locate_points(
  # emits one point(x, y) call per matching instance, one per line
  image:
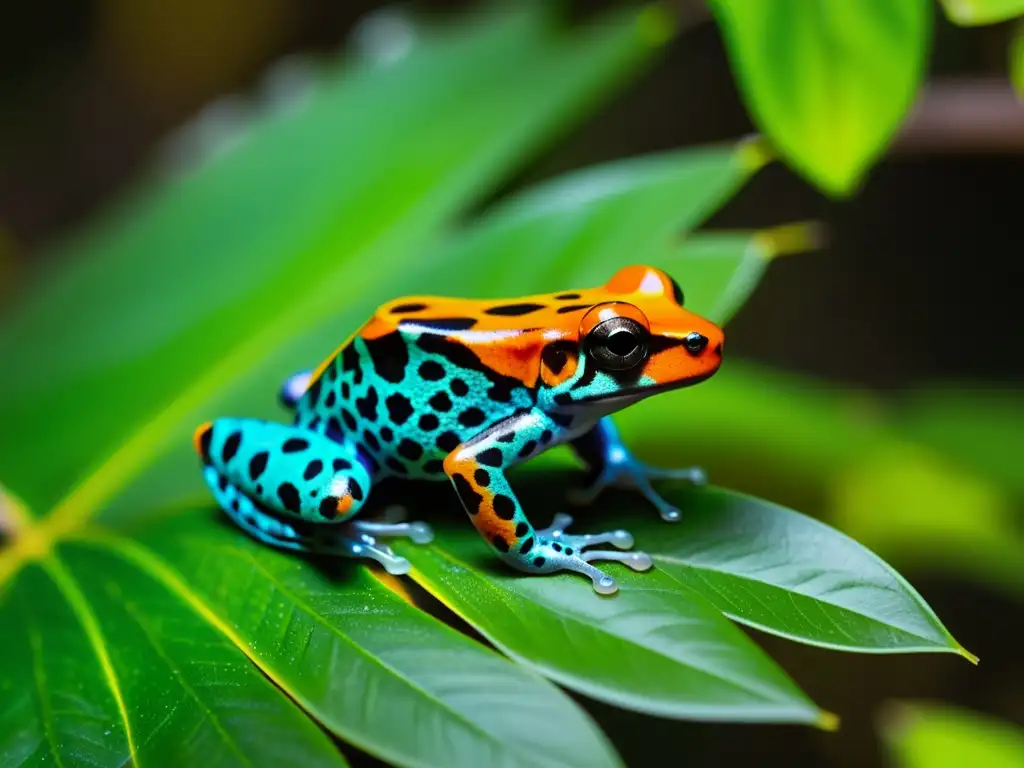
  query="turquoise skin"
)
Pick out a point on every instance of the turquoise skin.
point(420, 393)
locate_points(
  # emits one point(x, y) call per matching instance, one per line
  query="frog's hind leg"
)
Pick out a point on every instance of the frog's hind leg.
point(344, 539)
point(292, 487)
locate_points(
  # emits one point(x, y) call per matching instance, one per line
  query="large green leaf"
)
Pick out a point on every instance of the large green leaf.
point(933, 735)
point(969, 13)
point(655, 647)
point(828, 82)
point(1017, 59)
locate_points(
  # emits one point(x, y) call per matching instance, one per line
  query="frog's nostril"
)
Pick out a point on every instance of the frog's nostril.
point(695, 343)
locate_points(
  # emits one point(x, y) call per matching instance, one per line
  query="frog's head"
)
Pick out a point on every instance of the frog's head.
point(633, 340)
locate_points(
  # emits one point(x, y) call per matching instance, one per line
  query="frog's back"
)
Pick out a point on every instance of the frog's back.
point(425, 374)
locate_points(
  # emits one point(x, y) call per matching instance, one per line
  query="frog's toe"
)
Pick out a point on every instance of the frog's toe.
point(417, 532)
point(638, 561)
point(694, 475)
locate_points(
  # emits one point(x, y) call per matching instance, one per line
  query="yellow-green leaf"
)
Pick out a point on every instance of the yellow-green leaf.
point(933, 735)
point(969, 13)
point(828, 82)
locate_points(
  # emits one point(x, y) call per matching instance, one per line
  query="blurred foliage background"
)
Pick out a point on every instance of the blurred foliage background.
point(889, 360)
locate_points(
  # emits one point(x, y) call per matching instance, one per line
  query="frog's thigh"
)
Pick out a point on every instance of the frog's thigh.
point(284, 469)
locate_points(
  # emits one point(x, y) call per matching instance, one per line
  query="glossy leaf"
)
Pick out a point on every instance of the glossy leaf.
point(654, 647)
point(358, 657)
point(933, 735)
point(970, 13)
point(828, 83)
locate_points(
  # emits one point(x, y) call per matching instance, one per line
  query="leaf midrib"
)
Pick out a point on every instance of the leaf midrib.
point(503, 592)
point(754, 580)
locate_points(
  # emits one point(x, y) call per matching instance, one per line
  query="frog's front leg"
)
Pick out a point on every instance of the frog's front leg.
point(477, 469)
point(295, 489)
point(611, 464)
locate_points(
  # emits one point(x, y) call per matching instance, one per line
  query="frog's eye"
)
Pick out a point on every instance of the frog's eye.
point(677, 292)
point(618, 343)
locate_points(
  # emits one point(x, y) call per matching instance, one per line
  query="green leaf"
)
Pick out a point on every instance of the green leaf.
point(829, 83)
point(359, 658)
point(782, 572)
point(932, 735)
point(969, 13)
point(656, 646)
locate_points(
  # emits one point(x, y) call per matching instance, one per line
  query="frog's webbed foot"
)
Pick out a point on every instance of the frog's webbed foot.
point(633, 474)
point(417, 532)
point(558, 550)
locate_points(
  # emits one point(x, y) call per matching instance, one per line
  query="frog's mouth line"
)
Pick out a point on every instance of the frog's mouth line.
point(638, 393)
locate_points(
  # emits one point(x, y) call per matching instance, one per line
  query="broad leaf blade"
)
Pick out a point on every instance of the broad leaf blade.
point(49, 670)
point(829, 83)
point(970, 13)
point(1017, 60)
point(360, 659)
point(788, 574)
point(655, 647)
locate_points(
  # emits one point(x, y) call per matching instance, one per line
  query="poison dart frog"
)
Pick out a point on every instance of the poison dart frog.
point(433, 389)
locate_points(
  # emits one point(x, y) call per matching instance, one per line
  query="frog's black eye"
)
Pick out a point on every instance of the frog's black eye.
point(677, 292)
point(618, 343)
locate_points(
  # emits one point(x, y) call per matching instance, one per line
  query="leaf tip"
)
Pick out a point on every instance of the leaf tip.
point(967, 654)
point(827, 721)
point(786, 239)
point(754, 153)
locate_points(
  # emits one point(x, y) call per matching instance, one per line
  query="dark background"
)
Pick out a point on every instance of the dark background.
point(920, 279)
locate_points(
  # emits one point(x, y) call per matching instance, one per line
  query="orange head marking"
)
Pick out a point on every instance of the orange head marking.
point(637, 340)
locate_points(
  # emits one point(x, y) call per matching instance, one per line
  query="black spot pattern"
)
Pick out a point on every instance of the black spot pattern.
point(506, 437)
point(331, 399)
point(563, 420)
point(482, 477)
point(404, 309)
point(355, 490)
point(448, 441)
point(491, 457)
point(222, 482)
point(349, 360)
point(204, 444)
point(500, 544)
point(367, 406)
point(334, 426)
point(371, 440)
point(522, 529)
point(230, 448)
point(390, 356)
point(386, 434)
point(556, 355)
point(329, 507)
point(567, 296)
point(467, 493)
point(431, 371)
point(441, 402)
point(463, 357)
point(399, 408)
point(513, 310)
point(472, 417)
point(429, 422)
point(459, 388)
point(571, 308)
point(538, 562)
point(289, 496)
point(346, 390)
point(295, 445)
point(339, 464)
point(350, 421)
point(504, 507)
point(314, 468)
point(545, 437)
point(410, 449)
point(257, 464)
point(526, 546)
point(528, 447)
point(313, 393)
